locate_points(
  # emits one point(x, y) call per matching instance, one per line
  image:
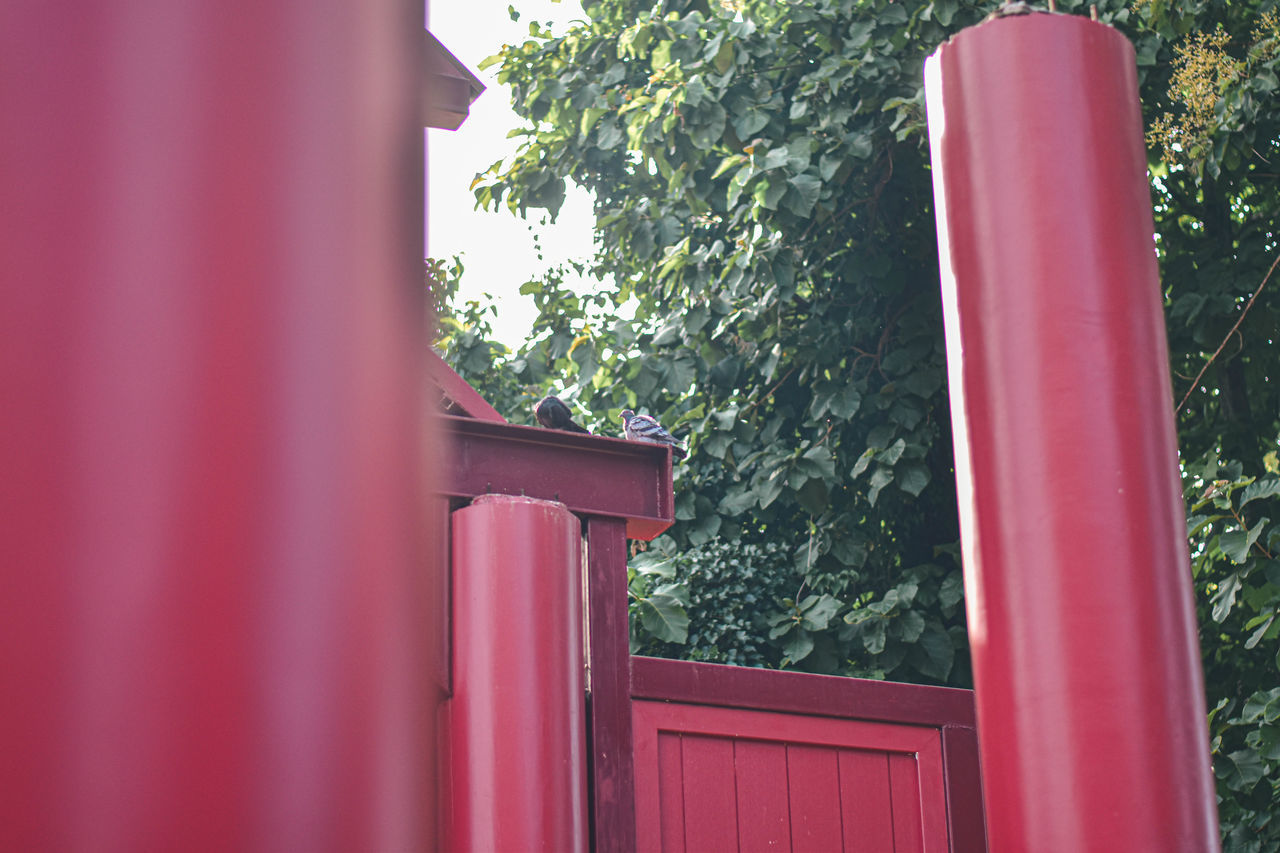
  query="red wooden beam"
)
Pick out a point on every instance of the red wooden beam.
point(613, 786)
point(799, 693)
point(591, 475)
point(1090, 698)
point(456, 396)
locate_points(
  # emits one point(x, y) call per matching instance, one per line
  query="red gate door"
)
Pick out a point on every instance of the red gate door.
point(711, 778)
point(730, 759)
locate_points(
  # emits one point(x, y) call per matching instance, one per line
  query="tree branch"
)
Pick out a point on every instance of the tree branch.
point(1226, 339)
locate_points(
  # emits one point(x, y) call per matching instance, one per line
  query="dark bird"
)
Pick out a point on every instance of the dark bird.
point(645, 428)
point(552, 413)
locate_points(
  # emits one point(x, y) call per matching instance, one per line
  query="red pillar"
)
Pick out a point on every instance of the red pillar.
point(517, 716)
point(210, 368)
point(1089, 692)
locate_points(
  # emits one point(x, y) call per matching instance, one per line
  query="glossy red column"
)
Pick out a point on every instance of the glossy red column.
point(211, 334)
point(1091, 716)
point(517, 716)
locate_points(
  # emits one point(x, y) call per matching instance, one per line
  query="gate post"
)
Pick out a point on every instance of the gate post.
point(1091, 715)
point(517, 719)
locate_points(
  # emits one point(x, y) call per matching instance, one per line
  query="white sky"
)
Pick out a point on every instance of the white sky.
point(497, 248)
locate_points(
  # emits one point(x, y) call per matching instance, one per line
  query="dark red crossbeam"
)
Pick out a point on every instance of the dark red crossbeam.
point(592, 475)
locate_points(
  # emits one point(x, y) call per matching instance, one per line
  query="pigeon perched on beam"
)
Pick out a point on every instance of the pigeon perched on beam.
point(646, 429)
point(552, 413)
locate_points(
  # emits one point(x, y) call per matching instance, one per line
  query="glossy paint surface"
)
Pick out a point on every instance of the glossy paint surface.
point(517, 718)
point(1091, 716)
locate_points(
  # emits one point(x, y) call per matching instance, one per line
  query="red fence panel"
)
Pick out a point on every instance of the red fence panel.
point(748, 759)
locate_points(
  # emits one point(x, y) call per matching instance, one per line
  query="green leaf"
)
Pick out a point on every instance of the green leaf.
point(807, 188)
point(819, 613)
point(738, 182)
point(1260, 489)
point(589, 118)
point(1243, 771)
point(939, 652)
point(910, 626)
point(1257, 635)
point(798, 645)
point(882, 477)
point(746, 124)
point(952, 590)
point(1225, 598)
point(873, 636)
point(863, 461)
point(663, 615)
point(737, 502)
point(891, 454)
point(845, 403)
point(912, 477)
point(1236, 544)
point(728, 163)
point(724, 58)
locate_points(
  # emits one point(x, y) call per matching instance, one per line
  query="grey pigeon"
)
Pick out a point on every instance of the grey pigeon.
point(554, 414)
point(646, 429)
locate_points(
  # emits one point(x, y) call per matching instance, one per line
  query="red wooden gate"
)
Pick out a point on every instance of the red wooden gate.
point(728, 758)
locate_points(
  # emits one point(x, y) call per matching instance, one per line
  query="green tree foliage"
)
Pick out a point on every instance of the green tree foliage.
point(769, 288)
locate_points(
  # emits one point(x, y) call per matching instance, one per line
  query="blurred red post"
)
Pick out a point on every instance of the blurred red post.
point(211, 337)
point(517, 719)
point(1091, 715)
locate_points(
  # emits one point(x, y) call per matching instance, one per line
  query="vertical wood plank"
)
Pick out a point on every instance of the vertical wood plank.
point(904, 787)
point(709, 796)
point(813, 784)
point(648, 808)
point(671, 792)
point(965, 821)
point(864, 801)
point(613, 785)
point(764, 821)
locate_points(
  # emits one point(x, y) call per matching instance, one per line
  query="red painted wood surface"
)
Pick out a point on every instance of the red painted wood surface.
point(613, 797)
point(211, 629)
point(801, 693)
point(765, 817)
point(456, 396)
point(945, 710)
point(592, 475)
point(1091, 706)
point(703, 770)
point(867, 818)
point(517, 717)
point(814, 795)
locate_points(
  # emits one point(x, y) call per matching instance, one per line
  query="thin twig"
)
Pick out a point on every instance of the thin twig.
point(1245, 528)
point(769, 393)
point(1223, 345)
